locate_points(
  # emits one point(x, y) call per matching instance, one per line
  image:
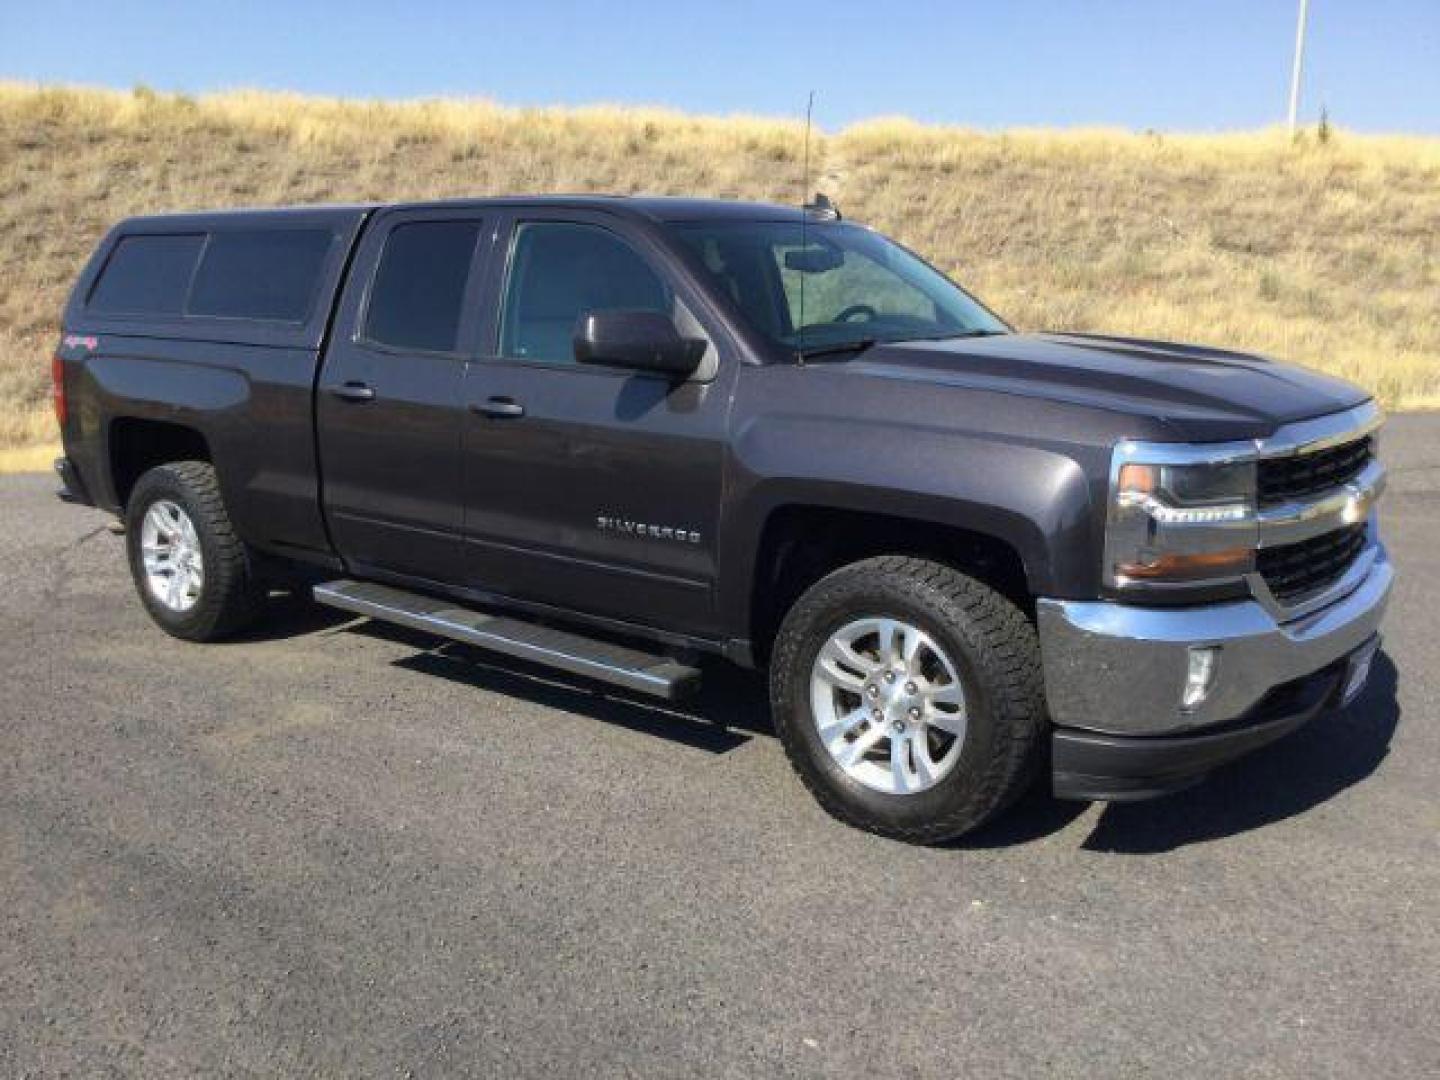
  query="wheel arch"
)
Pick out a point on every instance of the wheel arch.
point(801, 542)
point(136, 445)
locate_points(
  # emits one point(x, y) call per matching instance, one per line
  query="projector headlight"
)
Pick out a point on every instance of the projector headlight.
point(1175, 524)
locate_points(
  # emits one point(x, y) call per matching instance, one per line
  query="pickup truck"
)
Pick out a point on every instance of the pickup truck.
point(612, 435)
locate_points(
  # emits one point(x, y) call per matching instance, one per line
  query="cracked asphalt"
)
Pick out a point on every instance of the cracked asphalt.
point(336, 849)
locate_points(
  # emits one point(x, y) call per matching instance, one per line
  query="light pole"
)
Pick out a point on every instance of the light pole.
point(1299, 62)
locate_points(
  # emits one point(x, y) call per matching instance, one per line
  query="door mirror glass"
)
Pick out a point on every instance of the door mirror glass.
point(638, 340)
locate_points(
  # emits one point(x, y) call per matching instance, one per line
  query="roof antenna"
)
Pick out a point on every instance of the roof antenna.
point(804, 217)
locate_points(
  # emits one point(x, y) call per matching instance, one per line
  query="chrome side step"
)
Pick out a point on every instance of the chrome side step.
point(621, 665)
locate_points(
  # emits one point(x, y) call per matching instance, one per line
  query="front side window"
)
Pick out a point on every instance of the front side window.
point(832, 285)
point(561, 270)
point(419, 289)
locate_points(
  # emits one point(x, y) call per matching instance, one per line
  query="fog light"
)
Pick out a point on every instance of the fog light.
point(1199, 677)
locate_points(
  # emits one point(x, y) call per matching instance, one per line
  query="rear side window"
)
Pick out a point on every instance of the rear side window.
point(147, 275)
point(419, 289)
point(266, 274)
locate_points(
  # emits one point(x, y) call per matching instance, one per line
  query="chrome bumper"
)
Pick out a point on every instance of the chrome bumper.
point(1120, 669)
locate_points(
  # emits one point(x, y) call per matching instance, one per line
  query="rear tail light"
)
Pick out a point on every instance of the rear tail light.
point(57, 379)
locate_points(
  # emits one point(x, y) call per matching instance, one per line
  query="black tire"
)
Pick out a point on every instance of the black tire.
point(231, 595)
point(996, 652)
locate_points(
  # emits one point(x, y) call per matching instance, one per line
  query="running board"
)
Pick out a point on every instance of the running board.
point(633, 669)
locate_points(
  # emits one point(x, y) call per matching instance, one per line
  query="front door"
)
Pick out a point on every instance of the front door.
point(389, 407)
point(590, 488)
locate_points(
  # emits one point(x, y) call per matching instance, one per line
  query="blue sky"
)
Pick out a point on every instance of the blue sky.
point(1164, 64)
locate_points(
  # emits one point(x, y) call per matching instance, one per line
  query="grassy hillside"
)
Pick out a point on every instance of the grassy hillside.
point(1324, 252)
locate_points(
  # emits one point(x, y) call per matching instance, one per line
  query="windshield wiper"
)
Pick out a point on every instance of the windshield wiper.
point(955, 336)
point(858, 346)
point(861, 344)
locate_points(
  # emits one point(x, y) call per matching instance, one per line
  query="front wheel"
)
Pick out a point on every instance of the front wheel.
point(195, 577)
point(908, 697)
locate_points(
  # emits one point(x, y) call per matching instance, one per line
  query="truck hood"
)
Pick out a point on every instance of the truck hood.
point(1201, 394)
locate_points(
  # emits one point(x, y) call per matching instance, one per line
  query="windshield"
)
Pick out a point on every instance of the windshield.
point(843, 285)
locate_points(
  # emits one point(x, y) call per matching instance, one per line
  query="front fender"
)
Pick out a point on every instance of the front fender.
point(1037, 500)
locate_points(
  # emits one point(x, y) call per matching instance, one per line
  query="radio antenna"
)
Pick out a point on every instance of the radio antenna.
point(804, 217)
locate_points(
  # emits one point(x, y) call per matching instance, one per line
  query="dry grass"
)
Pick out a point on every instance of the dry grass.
point(1321, 253)
point(33, 457)
point(1327, 254)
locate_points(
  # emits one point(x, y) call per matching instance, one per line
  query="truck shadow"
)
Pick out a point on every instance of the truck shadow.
point(727, 713)
point(1333, 752)
point(289, 615)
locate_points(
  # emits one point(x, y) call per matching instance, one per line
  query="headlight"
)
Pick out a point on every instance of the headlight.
point(1175, 524)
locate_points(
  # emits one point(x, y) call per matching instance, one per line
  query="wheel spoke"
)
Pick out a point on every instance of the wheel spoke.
point(900, 774)
point(947, 694)
point(844, 667)
point(915, 641)
point(157, 520)
point(953, 723)
point(892, 639)
point(920, 757)
point(835, 731)
point(175, 590)
point(852, 753)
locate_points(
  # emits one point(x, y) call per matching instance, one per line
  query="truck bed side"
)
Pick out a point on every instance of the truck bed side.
point(234, 389)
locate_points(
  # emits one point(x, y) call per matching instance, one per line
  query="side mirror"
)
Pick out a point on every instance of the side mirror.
point(639, 340)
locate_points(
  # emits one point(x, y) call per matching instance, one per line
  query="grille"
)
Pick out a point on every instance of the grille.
point(1293, 570)
point(1288, 478)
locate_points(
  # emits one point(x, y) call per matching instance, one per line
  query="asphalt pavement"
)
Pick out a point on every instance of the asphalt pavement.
point(333, 848)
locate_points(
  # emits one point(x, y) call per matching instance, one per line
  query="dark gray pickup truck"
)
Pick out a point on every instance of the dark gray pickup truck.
point(610, 435)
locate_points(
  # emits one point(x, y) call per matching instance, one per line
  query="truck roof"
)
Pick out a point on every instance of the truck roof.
point(268, 276)
point(655, 207)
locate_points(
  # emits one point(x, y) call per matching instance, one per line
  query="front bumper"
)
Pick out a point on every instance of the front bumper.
point(1120, 768)
point(1120, 670)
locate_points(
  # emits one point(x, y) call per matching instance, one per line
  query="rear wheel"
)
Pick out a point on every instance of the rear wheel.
point(908, 697)
point(194, 575)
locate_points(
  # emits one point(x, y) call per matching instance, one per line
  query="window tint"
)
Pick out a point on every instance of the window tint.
point(835, 284)
point(147, 275)
point(856, 284)
point(558, 272)
point(260, 274)
point(415, 302)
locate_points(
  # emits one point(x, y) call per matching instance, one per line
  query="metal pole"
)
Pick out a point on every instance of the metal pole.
point(1299, 63)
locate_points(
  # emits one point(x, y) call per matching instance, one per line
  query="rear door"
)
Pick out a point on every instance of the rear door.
point(591, 488)
point(389, 407)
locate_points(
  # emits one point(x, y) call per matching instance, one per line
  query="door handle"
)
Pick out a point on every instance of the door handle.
point(353, 391)
point(502, 408)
